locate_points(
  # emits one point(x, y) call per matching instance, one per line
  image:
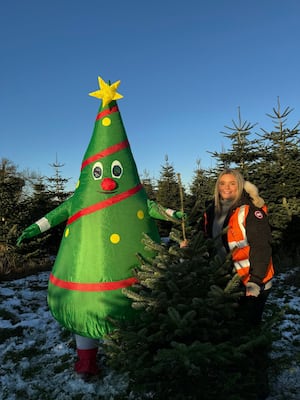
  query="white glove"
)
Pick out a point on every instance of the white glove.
point(252, 289)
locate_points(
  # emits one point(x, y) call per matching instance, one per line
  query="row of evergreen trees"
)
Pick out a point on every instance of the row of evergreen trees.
point(24, 198)
point(269, 159)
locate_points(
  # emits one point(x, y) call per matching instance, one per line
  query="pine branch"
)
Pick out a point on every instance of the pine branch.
point(233, 284)
point(143, 260)
point(151, 244)
point(168, 217)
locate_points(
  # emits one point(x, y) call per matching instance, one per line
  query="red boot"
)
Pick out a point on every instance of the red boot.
point(87, 363)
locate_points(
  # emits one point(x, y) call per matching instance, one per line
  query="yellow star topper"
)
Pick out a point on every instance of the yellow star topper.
point(107, 92)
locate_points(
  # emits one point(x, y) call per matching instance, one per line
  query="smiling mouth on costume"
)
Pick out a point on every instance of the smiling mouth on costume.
point(106, 191)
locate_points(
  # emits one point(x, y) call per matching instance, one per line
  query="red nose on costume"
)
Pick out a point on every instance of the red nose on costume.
point(108, 184)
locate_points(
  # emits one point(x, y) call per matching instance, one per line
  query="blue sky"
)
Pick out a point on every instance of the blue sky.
point(185, 68)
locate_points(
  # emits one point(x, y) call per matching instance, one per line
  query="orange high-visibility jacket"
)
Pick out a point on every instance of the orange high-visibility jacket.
point(248, 237)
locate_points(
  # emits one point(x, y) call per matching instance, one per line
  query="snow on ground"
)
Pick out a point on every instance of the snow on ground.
point(36, 360)
point(284, 374)
point(37, 355)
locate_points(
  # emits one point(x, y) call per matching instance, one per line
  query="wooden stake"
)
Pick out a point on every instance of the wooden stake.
point(182, 206)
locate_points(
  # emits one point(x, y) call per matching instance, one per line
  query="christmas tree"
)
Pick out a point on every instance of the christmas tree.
point(187, 341)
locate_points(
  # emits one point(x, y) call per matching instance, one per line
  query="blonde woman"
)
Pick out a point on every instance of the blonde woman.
point(237, 219)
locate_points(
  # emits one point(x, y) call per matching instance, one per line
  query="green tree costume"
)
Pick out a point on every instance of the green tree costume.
point(106, 218)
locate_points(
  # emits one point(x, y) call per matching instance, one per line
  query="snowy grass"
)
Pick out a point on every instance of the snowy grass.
point(284, 373)
point(37, 355)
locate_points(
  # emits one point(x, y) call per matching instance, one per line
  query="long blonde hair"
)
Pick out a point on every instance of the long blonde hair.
point(240, 183)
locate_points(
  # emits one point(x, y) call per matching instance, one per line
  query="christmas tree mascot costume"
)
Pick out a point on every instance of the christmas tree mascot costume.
point(106, 218)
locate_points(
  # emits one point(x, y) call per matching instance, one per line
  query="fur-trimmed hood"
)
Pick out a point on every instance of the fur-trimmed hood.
point(253, 193)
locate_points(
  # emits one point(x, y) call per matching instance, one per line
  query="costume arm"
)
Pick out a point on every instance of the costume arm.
point(166, 214)
point(53, 218)
point(59, 214)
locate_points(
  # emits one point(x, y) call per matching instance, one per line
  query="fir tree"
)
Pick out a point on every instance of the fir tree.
point(11, 185)
point(278, 179)
point(186, 341)
point(243, 152)
point(167, 194)
point(149, 185)
point(57, 184)
point(58, 194)
point(46, 193)
point(38, 203)
point(201, 190)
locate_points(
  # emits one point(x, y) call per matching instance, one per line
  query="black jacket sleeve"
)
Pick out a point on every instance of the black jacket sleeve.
point(259, 237)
